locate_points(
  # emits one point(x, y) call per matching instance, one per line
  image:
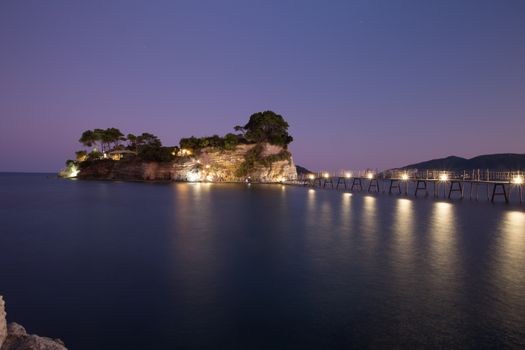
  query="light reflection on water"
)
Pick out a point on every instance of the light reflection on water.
point(403, 231)
point(511, 255)
point(211, 265)
point(509, 273)
point(368, 225)
point(193, 245)
point(311, 208)
point(443, 240)
point(346, 212)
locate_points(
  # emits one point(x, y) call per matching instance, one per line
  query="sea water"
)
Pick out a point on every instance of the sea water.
point(115, 265)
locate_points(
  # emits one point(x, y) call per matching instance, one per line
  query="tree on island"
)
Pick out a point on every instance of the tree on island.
point(103, 139)
point(112, 136)
point(136, 143)
point(262, 127)
point(268, 127)
point(149, 148)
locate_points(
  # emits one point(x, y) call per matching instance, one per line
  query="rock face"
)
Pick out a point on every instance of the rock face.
point(18, 339)
point(3, 325)
point(210, 165)
point(15, 337)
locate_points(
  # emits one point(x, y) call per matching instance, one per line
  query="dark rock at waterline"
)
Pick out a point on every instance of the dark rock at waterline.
point(14, 337)
point(18, 339)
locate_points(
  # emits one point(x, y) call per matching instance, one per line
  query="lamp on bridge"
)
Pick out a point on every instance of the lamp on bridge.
point(348, 175)
point(370, 176)
point(311, 176)
point(326, 175)
point(443, 177)
point(517, 180)
point(404, 177)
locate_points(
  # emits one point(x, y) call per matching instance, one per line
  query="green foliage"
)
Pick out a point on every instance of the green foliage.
point(231, 141)
point(136, 143)
point(88, 138)
point(90, 162)
point(94, 155)
point(156, 153)
point(283, 155)
point(192, 143)
point(267, 127)
point(250, 161)
point(195, 144)
point(104, 139)
point(80, 155)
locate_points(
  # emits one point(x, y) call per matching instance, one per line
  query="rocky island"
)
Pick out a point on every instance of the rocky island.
point(257, 152)
point(14, 337)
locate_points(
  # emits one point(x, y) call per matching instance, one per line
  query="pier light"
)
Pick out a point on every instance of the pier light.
point(370, 176)
point(326, 175)
point(518, 180)
point(348, 175)
point(443, 177)
point(404, 177)
point(311, 176)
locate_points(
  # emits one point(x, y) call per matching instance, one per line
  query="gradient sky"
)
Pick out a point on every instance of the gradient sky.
point(363, 84)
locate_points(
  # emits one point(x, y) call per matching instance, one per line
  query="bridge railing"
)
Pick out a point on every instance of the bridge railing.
point(480, 175)
point(445, 175)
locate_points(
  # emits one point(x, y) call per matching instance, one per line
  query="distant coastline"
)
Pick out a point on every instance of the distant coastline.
point(499, 161)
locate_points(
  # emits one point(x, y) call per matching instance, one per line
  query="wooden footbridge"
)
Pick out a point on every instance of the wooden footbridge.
point(493, 185)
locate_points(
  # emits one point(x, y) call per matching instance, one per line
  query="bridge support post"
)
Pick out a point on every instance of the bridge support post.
point(501, 193)
point(458, 188)
point(373, 183)
point(394, 184)
point(328, 180)
point(421, 185)
point(356, 182)
point(340, 180)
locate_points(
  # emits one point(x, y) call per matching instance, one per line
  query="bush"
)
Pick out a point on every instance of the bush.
point(155, 153)
point(94, 155)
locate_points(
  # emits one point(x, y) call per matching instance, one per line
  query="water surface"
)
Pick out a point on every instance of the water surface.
point(114, 265)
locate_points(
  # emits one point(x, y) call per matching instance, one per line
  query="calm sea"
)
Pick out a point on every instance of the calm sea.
point(113, 265)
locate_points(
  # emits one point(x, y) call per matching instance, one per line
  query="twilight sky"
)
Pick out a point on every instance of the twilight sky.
point(363, 84)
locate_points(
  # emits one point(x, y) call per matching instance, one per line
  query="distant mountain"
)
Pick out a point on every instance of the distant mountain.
point(502, 161)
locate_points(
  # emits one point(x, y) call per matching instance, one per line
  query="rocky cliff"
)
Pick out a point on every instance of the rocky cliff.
point(15, 337)
point(3, 325)
point(209, 164)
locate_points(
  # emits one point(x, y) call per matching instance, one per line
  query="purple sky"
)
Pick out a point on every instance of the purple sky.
point(362, 83)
